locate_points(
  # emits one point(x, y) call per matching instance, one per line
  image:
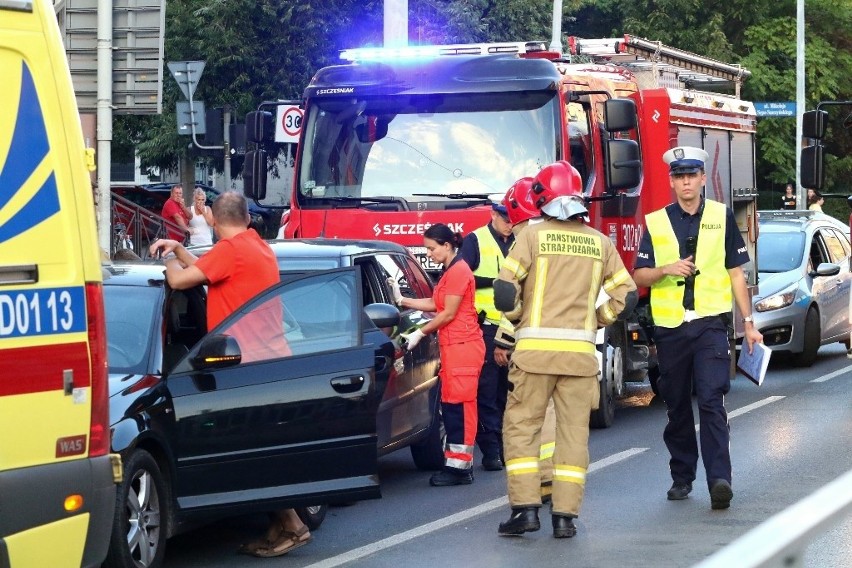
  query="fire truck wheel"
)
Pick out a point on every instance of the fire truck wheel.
point(604, 416)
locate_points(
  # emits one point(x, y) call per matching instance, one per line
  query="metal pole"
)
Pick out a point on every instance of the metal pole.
point(104, 122)
point(396, 23)
point(226, 134)
point(800, 98)
point(556, 36)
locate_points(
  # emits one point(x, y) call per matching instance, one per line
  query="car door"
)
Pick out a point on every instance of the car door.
point(837, 244)
point(292, 418)
point(823, 288)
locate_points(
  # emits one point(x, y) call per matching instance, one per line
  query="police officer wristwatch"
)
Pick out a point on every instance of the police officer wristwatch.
point(748, 319)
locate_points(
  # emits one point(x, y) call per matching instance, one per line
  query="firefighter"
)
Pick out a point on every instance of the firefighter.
point(484, 250)
point(556, 271)
point(691, 256)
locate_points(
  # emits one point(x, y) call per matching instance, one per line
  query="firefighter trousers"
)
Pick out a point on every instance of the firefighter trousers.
point(573, 400)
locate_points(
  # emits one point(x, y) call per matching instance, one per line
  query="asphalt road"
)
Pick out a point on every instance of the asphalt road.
point(789, 437)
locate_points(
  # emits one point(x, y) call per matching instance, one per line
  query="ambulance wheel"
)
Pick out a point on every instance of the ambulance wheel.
point(811, 342)
point(428, 454)
point(312, 516)
point(139, 527)
point(604, 416)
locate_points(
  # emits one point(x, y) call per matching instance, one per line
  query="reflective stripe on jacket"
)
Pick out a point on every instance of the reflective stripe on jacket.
point(712, 290)
point(490, 257)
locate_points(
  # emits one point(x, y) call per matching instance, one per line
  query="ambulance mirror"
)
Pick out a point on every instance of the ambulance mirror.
point(620, 115)
point(260, 127)
point(254, 175)
point(813, 124)
point(812, 173)
point(623, 166)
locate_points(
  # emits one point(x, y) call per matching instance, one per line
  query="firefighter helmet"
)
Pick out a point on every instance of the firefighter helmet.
point(519, 202)
point(558, 191)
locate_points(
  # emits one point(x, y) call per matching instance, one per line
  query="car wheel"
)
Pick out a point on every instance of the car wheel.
point(428, 454)
point(312, 516)
point(604, 416)
point(141, 511)
point(812, 339)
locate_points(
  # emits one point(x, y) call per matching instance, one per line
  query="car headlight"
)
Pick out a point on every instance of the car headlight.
point(778, 300)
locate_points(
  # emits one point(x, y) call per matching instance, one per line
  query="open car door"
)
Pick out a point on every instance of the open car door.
point(278, 403)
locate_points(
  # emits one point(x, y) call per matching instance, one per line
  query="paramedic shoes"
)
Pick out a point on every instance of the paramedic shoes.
point(720, 494)
point(523, 519)
point(451, 476)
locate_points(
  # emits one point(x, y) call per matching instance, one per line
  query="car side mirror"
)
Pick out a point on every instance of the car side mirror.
point(827, 269)
point(382, 315)
point(217, 352)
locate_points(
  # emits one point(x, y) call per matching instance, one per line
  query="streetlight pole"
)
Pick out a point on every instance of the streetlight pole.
point(800, 97)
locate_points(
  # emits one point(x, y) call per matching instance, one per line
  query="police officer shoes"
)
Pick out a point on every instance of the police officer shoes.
point(679, 491)
point(563, 526)
point(720, 494)
point(448, 476)
point(492, 463)
point(523, 519)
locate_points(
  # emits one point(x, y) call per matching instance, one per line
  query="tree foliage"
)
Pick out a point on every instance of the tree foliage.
point(268, 49)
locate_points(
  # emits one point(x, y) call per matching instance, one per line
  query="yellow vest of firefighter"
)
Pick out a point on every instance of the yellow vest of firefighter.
point(712, 286)
point(560, 267)
point(490, 257)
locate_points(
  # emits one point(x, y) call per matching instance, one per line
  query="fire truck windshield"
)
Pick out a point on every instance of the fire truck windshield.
point(401, 146)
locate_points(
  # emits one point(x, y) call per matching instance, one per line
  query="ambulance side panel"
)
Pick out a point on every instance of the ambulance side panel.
point(56, 487)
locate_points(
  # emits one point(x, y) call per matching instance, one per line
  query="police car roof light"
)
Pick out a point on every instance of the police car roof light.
point(424, 51)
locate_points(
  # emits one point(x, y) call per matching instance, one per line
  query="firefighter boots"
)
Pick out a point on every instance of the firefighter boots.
point(451, 476)
point(563, 526)
point(523, 519)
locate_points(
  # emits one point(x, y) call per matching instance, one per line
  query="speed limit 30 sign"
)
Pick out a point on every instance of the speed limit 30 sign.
point(288, 123)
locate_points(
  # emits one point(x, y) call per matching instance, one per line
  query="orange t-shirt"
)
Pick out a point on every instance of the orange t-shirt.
point(458, 281)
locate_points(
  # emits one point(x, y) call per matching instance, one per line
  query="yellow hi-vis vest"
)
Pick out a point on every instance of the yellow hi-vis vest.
point(712, 290)
point(490, 259)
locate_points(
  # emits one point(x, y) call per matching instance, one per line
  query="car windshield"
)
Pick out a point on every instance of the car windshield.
point(130, 312)
point(780, 252)
point(438, 144)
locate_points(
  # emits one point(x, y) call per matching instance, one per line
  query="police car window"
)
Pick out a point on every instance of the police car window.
point(844, 241)
point(835, 247)
point(303, 317)
point(819, 253)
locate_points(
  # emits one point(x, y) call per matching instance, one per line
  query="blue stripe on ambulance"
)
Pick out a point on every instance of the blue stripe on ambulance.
point(29, 148)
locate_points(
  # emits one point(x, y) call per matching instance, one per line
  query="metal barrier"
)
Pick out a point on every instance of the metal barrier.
point(781, 540)
point(141, 226)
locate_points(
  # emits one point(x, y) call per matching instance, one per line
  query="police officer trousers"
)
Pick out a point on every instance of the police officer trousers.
point(573, 399)
point(696, 354)
point(491, 398)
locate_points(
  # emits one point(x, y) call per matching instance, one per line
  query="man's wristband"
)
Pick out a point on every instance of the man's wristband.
point(748, 319)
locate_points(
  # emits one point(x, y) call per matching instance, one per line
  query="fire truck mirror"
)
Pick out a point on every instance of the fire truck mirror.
point(813, 124)
point(623, 166)
point(260, 126)
point(620, 115)
point(371, 128)
point(254, 175)
point(812, 173)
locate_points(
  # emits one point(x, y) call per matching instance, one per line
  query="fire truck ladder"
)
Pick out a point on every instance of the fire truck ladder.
point(642, 55)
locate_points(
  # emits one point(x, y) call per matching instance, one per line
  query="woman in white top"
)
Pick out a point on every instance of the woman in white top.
point(201, 222)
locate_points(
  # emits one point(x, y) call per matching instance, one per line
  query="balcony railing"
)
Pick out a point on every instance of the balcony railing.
point(141, 227)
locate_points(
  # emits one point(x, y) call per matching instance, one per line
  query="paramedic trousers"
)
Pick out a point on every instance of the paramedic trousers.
point(491, 398)
point(460, 366)
point(696, 354)
point(573, 400)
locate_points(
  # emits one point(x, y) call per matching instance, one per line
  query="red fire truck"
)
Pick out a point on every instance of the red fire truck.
point(395, 140)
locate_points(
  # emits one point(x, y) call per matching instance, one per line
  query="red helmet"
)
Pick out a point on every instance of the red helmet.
point(556, 180)
point(519, 201)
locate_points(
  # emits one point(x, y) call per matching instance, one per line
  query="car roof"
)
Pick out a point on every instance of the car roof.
point(780, 221)
point(324, 248)
point(133, 274)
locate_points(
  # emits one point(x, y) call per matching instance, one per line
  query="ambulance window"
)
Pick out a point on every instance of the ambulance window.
point(579, 141)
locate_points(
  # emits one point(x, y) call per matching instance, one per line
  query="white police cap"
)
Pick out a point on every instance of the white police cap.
point(685, 160)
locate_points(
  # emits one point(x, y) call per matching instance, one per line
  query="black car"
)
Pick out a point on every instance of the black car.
point(409, 415)
point(208, 428)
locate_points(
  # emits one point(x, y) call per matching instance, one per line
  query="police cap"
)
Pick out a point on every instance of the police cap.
point(685, 160)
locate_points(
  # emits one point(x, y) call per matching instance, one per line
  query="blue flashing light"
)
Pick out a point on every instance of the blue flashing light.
point(380, 53)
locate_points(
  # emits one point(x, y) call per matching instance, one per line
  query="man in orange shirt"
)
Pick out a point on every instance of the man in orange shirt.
point(175, 211)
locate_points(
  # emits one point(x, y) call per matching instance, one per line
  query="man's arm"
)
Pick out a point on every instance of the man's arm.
point(740, 292)
point(182, 278)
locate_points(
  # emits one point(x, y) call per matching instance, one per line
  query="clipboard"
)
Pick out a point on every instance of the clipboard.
point(753, 365)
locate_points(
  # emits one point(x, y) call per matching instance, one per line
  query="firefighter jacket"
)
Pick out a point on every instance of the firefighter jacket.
point(557, 269)
point(490, 258)
point(712, 284)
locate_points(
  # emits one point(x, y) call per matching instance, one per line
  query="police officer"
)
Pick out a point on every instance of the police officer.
point(691, 256)
point(555, 271)
point(484, 250)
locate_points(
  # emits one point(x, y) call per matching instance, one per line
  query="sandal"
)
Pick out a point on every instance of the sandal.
point(286, 542)
point(273, 533)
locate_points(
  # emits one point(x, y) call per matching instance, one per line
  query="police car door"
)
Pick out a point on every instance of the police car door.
point(266, 411)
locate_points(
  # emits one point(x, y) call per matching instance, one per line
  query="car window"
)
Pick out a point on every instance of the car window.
point(393, 266)
point(130, 312)
point(372, 282)
point(780, 252)
point(420, 281)
point(838, 245)
point(819, 251)
point(305, 316)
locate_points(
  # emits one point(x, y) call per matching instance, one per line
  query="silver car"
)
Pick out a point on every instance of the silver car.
point(803, 282)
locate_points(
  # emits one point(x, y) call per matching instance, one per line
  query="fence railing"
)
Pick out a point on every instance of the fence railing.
point(134, 227)
point(781, 540)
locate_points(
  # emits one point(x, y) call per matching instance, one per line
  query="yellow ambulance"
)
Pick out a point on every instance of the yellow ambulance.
point(57, 477)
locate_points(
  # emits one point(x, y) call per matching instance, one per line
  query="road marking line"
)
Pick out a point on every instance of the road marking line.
point(749, 408)
point(487, 507)
point(830, 376)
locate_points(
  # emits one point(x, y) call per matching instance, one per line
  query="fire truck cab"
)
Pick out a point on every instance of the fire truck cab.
point(395, 140)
